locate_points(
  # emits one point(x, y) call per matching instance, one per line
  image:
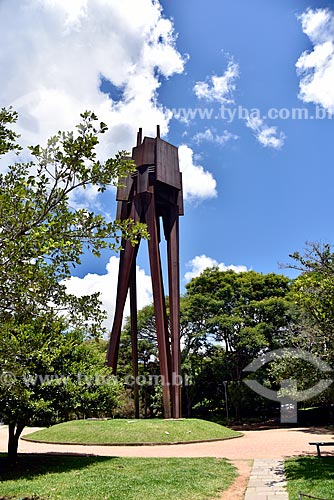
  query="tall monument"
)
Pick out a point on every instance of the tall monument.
point(152, 193)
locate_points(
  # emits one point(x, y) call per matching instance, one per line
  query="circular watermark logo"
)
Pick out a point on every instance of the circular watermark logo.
point(7, 378)
point(288, 395)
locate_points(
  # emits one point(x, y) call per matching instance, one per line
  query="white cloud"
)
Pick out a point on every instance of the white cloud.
point(318, 24)
point(316, 68)
point(269, 137)
point(219, 88)
point(201, 262)
point(197, 182)
point(52, 71)
point(53, 54)
point(210, 135)
point(106, 284)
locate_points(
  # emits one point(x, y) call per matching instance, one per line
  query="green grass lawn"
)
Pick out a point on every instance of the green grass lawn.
point(310, 475)
point(133, 431)
point(102, 478)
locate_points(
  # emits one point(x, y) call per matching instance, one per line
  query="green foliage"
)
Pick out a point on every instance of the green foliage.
point(313, 291)
point(246, 311)
point(50, 374)
point(41, 237)
point(8, 138)
point(247, 314)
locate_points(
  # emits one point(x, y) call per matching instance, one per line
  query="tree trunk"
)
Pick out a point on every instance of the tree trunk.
point(188, 402)
point(145, 402)
point(14, 432)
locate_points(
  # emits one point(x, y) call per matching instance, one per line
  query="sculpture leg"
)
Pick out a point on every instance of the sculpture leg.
point(127, 260)
point(174, 306)
point(134, 335)
point(159, 304)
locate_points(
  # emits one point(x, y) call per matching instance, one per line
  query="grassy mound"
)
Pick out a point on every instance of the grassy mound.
point(92, 478)
point(119, 431)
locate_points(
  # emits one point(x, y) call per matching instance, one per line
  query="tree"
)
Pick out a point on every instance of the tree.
point(312, 294)
point(50, 374)
point(247, 313)
point(227, 319)
point(42, 238)
point(313, 291)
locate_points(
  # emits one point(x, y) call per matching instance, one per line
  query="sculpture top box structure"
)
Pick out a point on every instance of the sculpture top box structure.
point(154, 191)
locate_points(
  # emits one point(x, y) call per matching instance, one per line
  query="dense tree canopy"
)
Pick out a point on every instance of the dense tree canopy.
point(246, 312)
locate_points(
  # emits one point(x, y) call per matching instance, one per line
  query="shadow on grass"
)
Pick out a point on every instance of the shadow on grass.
point(310, 468)
point(34, 497)
point(36, 464)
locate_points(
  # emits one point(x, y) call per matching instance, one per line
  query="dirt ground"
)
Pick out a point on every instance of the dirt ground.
point(238, 488)
point(263, 443)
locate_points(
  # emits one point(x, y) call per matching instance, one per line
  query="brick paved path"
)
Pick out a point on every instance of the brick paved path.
point(267, 481)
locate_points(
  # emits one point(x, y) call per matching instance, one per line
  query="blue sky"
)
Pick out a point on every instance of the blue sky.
point(258, 184)
point(269, 201)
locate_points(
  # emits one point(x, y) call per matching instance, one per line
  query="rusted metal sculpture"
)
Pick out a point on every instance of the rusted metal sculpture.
point(154, 191)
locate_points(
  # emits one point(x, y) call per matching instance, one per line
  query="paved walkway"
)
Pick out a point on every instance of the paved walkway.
point(267, 481)
point(265, 444)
